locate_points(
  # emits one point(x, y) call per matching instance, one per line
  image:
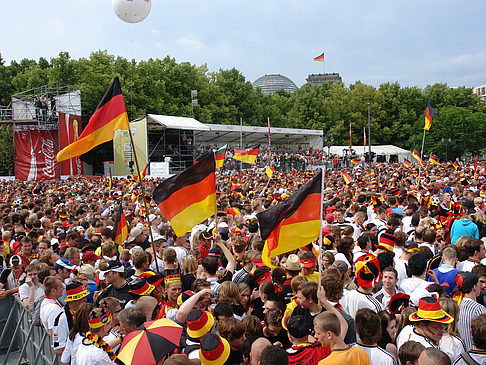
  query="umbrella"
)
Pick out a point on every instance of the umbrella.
point(150, 342)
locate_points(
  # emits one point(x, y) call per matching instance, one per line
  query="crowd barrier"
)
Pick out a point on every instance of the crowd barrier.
point(21, 341)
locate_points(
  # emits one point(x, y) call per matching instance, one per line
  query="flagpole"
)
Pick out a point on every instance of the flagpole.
point(269, 145)
point(143, 195)
point(421, 159)
point(241, 141)
point(319, 259)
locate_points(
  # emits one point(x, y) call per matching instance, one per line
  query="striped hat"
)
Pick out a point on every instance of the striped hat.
point(140, 287)
point(429, 309)
point(75, 291)
point(214, 350)
point(387, 241)
point(199, 323)
point(367, 271)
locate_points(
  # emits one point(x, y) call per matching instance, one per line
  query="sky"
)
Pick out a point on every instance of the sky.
point(416, 43)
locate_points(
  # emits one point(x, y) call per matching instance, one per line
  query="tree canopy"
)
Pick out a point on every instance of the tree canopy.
point(163, 86)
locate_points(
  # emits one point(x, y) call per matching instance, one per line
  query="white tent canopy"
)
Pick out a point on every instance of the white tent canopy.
point(160, 122)
point(383, 150)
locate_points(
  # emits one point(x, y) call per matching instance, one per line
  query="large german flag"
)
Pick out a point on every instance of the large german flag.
point(429, 112)
point(293, 223)
point(120, 228)
point(434, 160)
point(188, 198)
point(109, 116)
point(247, 155)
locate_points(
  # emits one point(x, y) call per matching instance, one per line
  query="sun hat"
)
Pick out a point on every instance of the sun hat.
point(153, 278)
point(214, 350)
point(134, 233)
point(293, 263)
point(429, 309)
point(199, 323)
point(113, 265)
point(90, 256)
point(387, 241)
point(75, 291)
point(140, 286)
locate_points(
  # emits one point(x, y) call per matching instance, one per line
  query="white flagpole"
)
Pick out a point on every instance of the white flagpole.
point(319, 259)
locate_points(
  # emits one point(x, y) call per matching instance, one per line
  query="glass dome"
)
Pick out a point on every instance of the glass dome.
point(271, 83)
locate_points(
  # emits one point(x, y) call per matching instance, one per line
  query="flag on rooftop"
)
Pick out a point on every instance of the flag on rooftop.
point(319, 58)
point(108, 116)
point(247, 155)
point(188, 198)
point(293, 223)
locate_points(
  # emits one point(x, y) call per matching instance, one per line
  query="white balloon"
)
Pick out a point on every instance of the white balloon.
point(131, 11)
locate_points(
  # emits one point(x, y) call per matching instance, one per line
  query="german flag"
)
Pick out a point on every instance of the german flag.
point(407, 163)
point(269, 171)
point(348, 178)
point(142, 174)
point(247, 155)
point(219, 156)
point(120, 228)
point(434, 160)
point(355, 161)
point(416, 155)
point(188, 198)
point(293, 223)
point(456, 166)
point(319, 58)
point(109, 116)
point(429, 112)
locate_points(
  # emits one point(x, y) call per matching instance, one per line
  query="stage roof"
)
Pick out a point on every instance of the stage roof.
point(160, 122)
point(230, 134)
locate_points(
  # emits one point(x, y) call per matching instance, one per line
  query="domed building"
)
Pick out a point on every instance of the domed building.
point(271, 83)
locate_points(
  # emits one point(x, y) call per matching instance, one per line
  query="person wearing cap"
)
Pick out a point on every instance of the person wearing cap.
point(63, 323)
point(367, 276)
point(11, 278)
point(214, 350)
point(93, 349)
point(466, 291)
point(205, 240)
point(302, 351)
point(114, 275)
point(138, 238)
point(64, 269)
point(430, 324)
point(309, 266)
point(199, 323)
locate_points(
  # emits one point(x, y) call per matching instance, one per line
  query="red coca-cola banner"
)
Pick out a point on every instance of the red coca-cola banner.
point(69, 130)
point(35, 154)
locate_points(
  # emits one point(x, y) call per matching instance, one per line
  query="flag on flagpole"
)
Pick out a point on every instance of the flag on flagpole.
point(120, 228)
point(109, 116)
point(407, 163)
point(456, 165)
point(348, 178)
point(364, 136)
point(269, 171)
point(219, 156)
point(269, 139)
point(142, 174)
point(350, 138)
point(319, 58)
point(188, 198)
point(293, 223)
point(416, 155)
point(247, 155)
point(355, 161)
point(434, 160)
point(476, 168)
point(429, 112)
point(110, 182)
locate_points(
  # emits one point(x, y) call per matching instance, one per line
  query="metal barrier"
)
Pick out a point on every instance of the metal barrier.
point(23, 341)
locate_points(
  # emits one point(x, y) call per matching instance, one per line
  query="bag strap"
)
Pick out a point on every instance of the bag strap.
point(467, 358)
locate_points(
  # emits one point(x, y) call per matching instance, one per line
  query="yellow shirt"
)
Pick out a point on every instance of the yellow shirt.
point(350, 355)
point(312, 277)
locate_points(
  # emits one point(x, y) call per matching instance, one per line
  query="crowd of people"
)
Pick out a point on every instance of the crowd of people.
point(402, 275)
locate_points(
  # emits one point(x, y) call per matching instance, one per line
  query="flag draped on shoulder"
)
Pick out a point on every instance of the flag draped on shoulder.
point(416, 156)
point(293, 223)
point(429, 112)
point(188, 198)
point(247, 155)
point(219, 156)
point(120, 228)
point(109, 116)
point(319, 58)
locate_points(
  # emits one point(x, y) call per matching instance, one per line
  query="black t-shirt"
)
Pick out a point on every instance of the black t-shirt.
point(235, 358)
point(282, 337)
point(122, 294)
point(4, 276)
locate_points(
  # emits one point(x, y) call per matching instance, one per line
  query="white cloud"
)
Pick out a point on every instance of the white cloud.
point(190, 43)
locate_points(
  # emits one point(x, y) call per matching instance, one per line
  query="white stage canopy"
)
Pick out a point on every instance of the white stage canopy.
point(383, 150)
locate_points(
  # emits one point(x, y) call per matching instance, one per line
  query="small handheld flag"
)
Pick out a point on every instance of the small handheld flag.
point(355, 161)
point(348, 178)
point(434, 160)
point(416, 155)
point(407, 163)
point(120, 228)
point(269, 171)
point(219, 156)
point(248, 155)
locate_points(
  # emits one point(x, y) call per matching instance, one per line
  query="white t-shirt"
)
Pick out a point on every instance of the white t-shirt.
point(24, 290)
point(408, 333)
point(71, 349)
point(416, 288)
point(92, 355)
point(355, 300)
point(60, 331)
point(49, 310)
point(377, 355)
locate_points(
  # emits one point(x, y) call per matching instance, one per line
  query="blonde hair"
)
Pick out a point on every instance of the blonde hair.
point(88, 270)
point(188, 264)
point(229, 293)
point(451, 307)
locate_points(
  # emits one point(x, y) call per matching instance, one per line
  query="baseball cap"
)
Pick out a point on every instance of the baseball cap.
point(297, 326)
